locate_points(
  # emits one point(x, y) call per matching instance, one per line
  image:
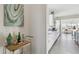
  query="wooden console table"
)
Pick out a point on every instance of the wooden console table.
point(13, 47)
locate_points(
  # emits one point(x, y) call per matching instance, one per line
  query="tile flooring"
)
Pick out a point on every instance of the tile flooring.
point(65, 45)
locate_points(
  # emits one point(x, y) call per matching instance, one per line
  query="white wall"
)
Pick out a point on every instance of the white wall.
point(34, 24)
point(5, 29)
point(38, 28)
point(47, 26)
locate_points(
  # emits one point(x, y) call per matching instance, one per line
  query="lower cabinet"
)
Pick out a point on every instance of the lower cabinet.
point(76, 37)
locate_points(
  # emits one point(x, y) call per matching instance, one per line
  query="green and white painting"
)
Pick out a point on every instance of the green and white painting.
point(13, 15)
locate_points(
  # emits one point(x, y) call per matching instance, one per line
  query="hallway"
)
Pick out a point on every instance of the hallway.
point(65, 45)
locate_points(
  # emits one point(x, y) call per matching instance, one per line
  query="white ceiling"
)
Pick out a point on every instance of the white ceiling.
point(64, 9)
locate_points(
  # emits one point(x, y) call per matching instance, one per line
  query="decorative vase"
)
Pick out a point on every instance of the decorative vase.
point(19, 37)
point(9, 39)
point(14, 41)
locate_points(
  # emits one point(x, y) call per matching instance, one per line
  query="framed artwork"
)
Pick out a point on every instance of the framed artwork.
point(13, 15)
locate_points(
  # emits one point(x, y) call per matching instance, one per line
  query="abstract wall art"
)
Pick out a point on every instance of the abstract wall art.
point(13, 15)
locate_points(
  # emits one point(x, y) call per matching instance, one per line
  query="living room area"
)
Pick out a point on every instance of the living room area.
point(65, 22)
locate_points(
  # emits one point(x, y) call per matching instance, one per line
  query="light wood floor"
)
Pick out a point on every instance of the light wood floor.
point(65, 45)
